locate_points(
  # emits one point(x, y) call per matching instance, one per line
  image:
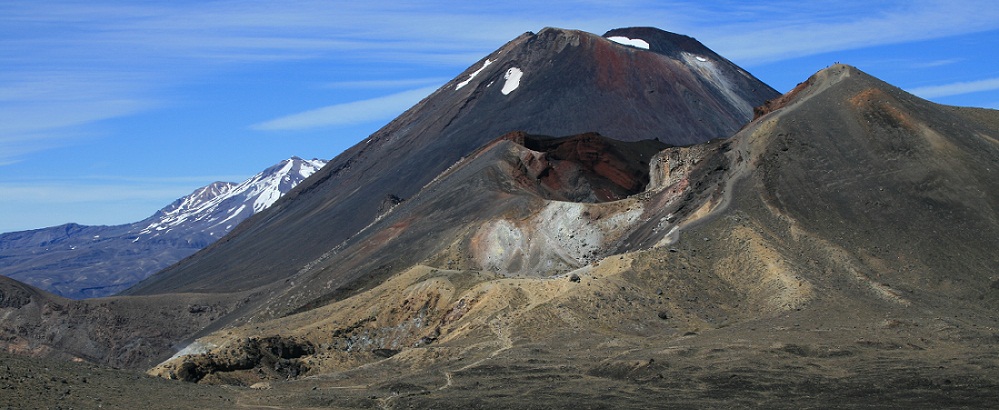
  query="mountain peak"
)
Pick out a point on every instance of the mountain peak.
point(648, 38)
point(218, 207)
point(823, 80)
point(834, 74)
point(296, 158)
point(660, 41)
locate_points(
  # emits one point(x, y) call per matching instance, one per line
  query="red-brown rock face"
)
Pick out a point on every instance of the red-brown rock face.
point(585, 167)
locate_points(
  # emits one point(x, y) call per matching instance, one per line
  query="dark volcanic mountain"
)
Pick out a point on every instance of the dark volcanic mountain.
point(556, 82)
point(837, 250)
point(79, 261)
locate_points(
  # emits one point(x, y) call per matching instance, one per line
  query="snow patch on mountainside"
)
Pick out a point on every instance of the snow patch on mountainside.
point(634, 42)
point(512, 77)
point(471, 76)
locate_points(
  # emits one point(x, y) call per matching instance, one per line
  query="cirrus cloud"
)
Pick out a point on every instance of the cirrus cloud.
point(355, 112)
point(958, 88)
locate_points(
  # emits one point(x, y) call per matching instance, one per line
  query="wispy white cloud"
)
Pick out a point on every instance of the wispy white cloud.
point(13, 148)
point(29, 127)
point(348, 113)
point(389, 83)
point(51, 108)
point(792, 32)
point(959, 88)
point(936, 63)
point(27, 119)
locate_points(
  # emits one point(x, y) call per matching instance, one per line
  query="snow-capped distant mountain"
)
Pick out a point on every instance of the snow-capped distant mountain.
point(217, 208)
point(80, 261)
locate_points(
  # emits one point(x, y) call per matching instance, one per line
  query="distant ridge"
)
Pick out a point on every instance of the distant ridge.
point(78, 261)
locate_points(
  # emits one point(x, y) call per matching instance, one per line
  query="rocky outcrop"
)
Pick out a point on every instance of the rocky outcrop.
point(275, 356)
point(13, 297)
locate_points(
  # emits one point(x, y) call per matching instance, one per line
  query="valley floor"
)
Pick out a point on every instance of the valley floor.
point(715, 369)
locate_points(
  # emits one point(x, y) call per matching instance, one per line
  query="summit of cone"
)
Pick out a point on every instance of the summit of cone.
point(663, 42)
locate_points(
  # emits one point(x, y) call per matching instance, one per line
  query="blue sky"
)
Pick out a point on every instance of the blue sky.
point(110, 110)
